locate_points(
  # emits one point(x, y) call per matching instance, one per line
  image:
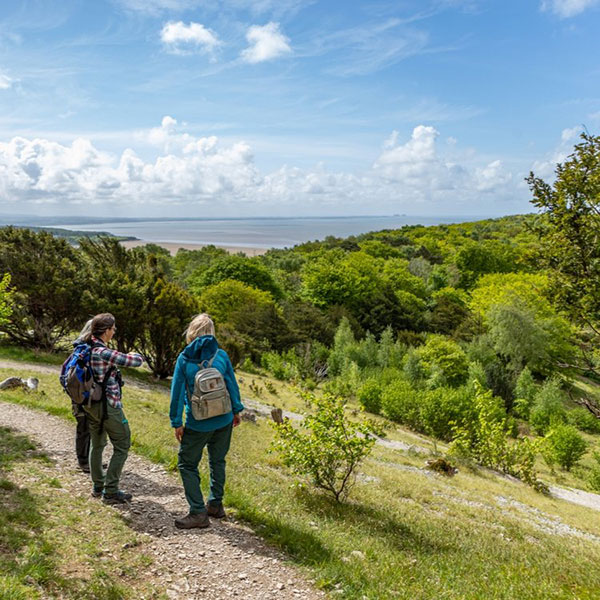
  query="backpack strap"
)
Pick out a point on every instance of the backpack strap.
point(209, 363)
point(201, 367)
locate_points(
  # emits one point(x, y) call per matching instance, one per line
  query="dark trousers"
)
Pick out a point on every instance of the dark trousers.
point(82, 438)
point(190, 452)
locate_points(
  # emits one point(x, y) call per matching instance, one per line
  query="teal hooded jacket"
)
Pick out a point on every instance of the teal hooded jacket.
point(199, 350)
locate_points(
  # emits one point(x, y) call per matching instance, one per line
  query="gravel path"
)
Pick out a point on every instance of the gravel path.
point(226, 560)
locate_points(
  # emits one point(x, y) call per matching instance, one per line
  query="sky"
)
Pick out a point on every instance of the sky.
point(245, 108)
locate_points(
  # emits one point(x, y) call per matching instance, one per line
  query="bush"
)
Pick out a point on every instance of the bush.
point(443, 408)
point(446, 357)
point(413, 368)
point(369, 395)
point(564, 445)
point(400, 403)
point(276, 365)
point(584, 420)
point(595, 476)
point(484, 439)
point(548, 407)
point(525, 391)
point(327, 447)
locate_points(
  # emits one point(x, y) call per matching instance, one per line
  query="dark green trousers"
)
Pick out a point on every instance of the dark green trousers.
point(115, 429)
point(190, 452)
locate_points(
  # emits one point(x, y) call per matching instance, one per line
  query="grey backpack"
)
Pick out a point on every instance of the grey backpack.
point(210, 397)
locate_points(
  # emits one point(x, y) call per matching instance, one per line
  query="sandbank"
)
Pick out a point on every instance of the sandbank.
point(172, 247)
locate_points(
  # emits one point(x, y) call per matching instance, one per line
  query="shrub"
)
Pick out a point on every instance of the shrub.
point(443, 408)
point(525, 391)
point(484, 439)
point(564, 445)
point(446, 356)
point(584, 420)
point(369, 395)
point(548, 408)
point(276, 365)
point(400, 403)
point(595, 476)
point(327, 447)
point(413, 368)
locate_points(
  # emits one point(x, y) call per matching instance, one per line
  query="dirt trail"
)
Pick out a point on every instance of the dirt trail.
point(226, 560)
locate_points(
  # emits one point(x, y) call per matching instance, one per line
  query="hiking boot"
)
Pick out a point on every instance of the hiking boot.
point(85, 467)
point(190, 521)
point(97, 492)
point(119, 497)
point(216, 511)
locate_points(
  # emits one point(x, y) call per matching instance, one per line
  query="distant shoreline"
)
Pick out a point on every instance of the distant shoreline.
point(173, 247)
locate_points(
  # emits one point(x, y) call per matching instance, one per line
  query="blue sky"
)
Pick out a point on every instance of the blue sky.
point(290, 107)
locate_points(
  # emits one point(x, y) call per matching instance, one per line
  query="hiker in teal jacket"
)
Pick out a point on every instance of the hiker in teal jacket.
point(214, 432)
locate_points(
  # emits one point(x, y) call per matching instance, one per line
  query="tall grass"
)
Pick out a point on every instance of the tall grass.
point(406, 533)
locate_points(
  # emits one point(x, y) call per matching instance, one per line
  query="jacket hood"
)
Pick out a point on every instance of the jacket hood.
point(202, 348)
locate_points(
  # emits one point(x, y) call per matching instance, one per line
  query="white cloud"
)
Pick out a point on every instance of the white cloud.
point(182, 39)
point(5, 82)
point(567, 8)
point(546, 167)
point(414, 176)
point(266, 43)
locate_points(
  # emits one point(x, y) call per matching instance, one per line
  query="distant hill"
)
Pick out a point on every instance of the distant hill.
point(73, 236)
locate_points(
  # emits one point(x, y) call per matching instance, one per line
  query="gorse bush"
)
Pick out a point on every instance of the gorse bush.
point(564, 445)
point(327, 447)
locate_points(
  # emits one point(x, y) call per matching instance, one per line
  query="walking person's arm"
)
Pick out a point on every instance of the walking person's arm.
point(177, 399)
point(234, 392)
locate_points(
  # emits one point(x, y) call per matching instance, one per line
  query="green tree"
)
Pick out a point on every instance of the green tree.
point(525, 391)
point(449, 309)
point(6, 299)
point(570, 230)
point(48, 279)
point(119, 284)
point(189, 264)
point(239, 268)
point(343, 342)
point(170, 308)
point(446, 356)
point(248, 319)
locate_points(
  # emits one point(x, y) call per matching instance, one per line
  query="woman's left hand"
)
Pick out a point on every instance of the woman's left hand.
point(236, 419)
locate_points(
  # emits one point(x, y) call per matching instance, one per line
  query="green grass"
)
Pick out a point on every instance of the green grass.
point(406, 533)
point(43, 547)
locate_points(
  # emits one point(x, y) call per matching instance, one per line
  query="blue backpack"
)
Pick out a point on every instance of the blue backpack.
point(77, 377)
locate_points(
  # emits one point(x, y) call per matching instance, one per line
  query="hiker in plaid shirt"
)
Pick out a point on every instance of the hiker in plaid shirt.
point(110, 425)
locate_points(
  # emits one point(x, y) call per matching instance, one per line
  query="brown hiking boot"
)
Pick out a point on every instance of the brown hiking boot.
point(190, 521)
point(216, 511)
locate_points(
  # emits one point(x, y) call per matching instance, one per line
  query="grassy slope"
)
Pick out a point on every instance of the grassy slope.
point(418, 535)
point(52, 543)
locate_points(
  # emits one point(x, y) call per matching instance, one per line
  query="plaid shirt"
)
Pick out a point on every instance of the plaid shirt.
point(103, 359)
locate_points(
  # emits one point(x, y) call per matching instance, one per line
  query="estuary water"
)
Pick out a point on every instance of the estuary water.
point(276, 232)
